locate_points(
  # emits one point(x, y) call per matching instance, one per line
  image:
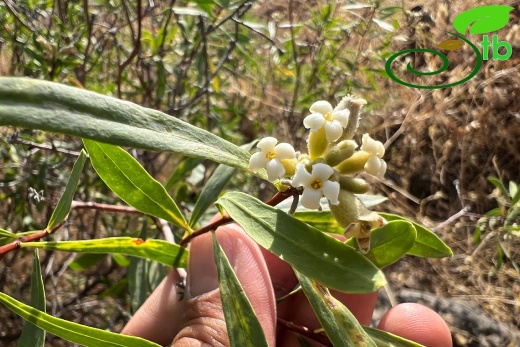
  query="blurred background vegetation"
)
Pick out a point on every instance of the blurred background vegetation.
point(244, 69)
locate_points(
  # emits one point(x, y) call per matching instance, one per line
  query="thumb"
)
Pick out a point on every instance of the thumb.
point(203, 318)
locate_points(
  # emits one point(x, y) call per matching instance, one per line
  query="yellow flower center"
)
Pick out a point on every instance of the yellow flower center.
point(270, 155)
point(316, 184)
point(328, 117)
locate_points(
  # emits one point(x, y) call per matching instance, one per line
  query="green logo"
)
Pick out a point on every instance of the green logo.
point(479, 20)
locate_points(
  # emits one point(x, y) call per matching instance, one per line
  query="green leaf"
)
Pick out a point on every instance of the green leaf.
point(63, 208)
point(72, 332)
point(211, 190)
point(86, 261)
point(31, 334)
point(500, 185)
point(244, 329)
point(322, 220)
point(341, 326)
point(482, 19)
point(7, 236)
point(514, 192)
point(308, 250)
point(181, 171)
point(384, 339)
point(390, 242)
point(427, 244)
point(164, 252)
point(129, 180)
point(54, 107)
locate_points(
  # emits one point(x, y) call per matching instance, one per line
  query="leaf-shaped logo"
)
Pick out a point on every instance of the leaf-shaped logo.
point(451, 45)
point(483, 19)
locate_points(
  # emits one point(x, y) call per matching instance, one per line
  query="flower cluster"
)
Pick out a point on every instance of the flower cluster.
point(332, 160)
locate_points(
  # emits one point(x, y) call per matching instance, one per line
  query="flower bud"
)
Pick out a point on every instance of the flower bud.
point(354, 164)
point(289, 166)
point(353, 185)
point(339, 152)
point(349, 210)
point(317, 143)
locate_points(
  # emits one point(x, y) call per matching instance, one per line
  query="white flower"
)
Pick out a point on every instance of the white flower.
point(324, 115)
point(269, 157)
point(316, 185)
point(374, 166)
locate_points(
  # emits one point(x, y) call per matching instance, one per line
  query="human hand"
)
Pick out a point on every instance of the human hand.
point(195, 317)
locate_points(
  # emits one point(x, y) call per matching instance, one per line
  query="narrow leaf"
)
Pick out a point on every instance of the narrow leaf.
point(307, 249)
point(211, 190)
point(31, 334)
point(86, 261)
point(164, 252)
point(243, 326)
point(70, 331)
point(49, 106)
point(384, 339)
point(342, 328)
point(181, 171)
point(500, 185)
point(63, 208)
point(129, 180)
point(7, 236)
point(427, 244)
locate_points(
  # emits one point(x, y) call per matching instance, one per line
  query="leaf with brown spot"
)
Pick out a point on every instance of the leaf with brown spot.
point(451, 45)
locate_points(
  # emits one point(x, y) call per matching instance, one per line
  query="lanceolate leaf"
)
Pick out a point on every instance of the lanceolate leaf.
point(73, 332)
point(130, 181)
point(243, 326)
point(427, 244)
point(31, 334)
point(158, 250)
point(384, 339)
point(341, 326)
point(308, 250)
point(210, 192)
point(54, 107)
point(63, 208)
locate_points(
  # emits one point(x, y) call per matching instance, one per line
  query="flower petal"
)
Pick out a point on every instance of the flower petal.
point(382, 169)
point(275, 170)
point(373, 166)
point(322, 171)
point(372, 146)
point(333, 130)
point(322, 107)
point(311, 198)
point(257, 161)
point(314, 121)
point(267, 144)
point(284, 151)
point(342, 117)
point(331, 191)
point(302, 178)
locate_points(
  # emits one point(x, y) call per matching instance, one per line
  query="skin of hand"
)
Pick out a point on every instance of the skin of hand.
point(198, 320)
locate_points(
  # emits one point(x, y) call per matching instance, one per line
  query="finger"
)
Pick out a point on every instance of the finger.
point(298, 310)
point(153, 321)
point(204, 320)
point(417, 323)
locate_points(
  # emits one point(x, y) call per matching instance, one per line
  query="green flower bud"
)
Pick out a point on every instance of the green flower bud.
point(349, 209)
point(353, 185)
point(341, 151)
point(354, 164)
point(317, 143)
